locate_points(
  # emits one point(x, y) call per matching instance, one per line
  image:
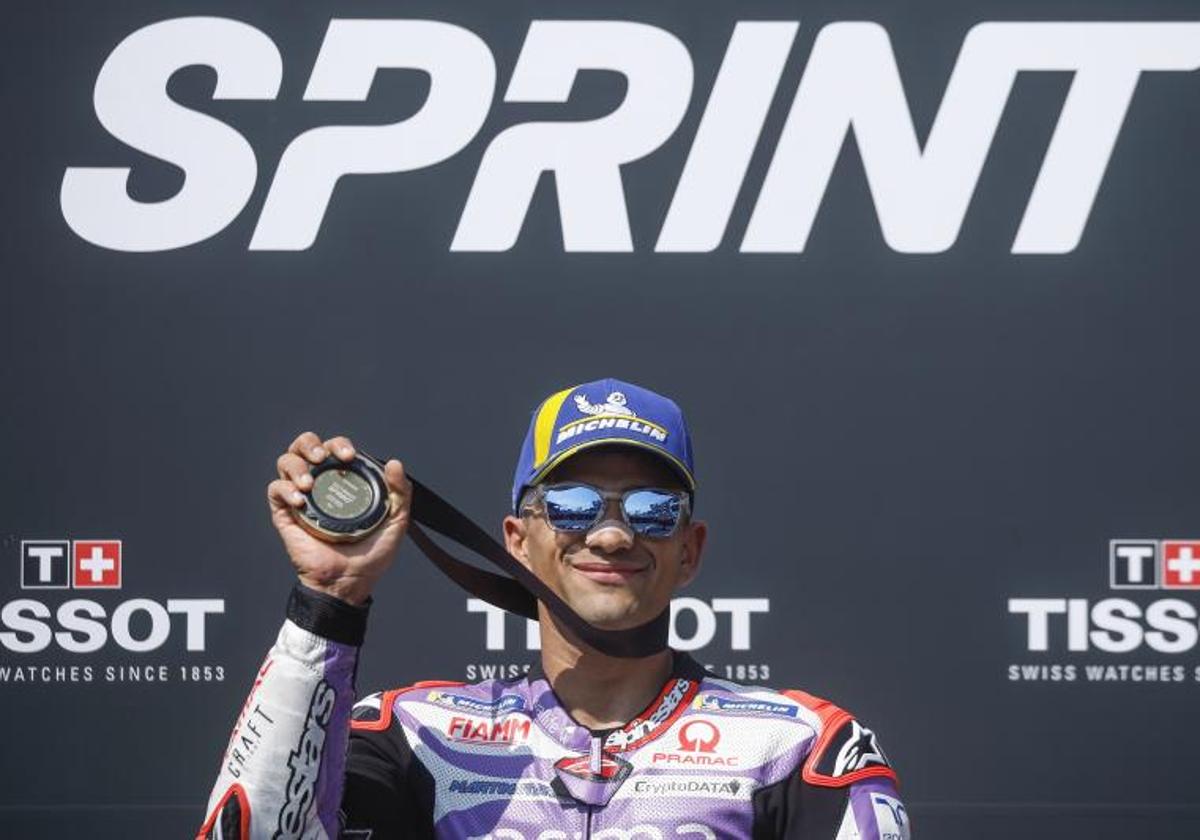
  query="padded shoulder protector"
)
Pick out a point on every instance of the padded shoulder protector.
point(373, 713)
point(845, 751)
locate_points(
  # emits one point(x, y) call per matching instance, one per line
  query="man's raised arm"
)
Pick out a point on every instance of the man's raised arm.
point(282, 772)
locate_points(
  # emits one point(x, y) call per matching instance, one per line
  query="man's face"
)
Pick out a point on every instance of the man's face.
point(612, 577)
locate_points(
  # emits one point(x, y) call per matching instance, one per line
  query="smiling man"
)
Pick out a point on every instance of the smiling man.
point(589, 745)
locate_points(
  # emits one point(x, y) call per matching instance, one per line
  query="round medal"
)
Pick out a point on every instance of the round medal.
point(348, 499)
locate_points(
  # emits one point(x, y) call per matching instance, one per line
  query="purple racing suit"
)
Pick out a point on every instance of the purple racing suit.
point(503, 760)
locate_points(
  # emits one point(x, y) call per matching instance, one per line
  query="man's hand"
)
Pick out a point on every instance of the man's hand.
point(348, 571)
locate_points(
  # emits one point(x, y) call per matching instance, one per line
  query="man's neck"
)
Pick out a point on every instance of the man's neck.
point(598, 691)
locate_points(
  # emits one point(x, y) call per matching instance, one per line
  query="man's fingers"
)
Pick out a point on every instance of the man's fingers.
point(308, 446)
point(397, 481)
point(295, 469)
point(283, 494)
point(399, 487)
point(341, 447)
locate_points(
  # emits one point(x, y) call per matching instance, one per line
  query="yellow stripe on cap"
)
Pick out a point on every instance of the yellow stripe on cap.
point(543, 426)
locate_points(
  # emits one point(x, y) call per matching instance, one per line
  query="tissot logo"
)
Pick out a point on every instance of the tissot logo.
point(83, 625)
point(850, 82)
point(1120, 625)
point(1149, 564)
point(702, 615)
point(62, 564)
point(696, 625)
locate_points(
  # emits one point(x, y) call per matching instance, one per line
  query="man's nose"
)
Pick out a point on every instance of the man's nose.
point(609, 537)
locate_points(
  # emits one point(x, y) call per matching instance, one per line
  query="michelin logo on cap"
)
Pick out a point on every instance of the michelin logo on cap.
point(607, 411)
point(613, 413)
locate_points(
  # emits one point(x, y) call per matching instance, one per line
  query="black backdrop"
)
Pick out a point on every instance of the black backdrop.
point(891, 446)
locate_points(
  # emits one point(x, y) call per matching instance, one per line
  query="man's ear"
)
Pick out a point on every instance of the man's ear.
point(693, 548)
point(515, 535)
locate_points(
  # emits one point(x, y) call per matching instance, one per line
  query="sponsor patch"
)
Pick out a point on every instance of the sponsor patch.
point(698, 740)
point(493, 787)
point(890, 816)
point(688, 786)
point(502, 705)
point(699, 736)
point(727, 705)
point(510, 730)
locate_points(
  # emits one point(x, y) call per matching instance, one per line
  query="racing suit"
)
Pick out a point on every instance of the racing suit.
point(503, 760)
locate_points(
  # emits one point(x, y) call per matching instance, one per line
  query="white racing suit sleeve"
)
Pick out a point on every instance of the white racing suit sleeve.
point(282, 772)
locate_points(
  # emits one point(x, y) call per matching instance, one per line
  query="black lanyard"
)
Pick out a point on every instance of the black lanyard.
point(520, 591)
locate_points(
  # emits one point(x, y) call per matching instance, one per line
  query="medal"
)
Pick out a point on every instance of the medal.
point(348, 499)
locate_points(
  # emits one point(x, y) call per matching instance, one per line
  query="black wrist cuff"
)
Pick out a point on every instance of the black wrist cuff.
point(328, 617)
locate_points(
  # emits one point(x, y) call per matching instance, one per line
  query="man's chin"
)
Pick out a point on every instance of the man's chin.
point(610, 613)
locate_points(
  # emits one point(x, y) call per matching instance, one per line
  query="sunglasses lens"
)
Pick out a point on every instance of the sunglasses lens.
point(572, 508)
point(652, 513)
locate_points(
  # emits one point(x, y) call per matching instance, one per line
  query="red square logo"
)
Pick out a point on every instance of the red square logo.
point(96, 564)
point(1181, 564)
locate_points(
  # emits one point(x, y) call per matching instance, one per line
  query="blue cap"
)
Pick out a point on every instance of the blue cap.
point(607, 411)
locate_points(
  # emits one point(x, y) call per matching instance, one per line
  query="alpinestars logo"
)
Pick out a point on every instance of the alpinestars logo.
point(639, 730)
point(1158, 630)
point(860, 750)
point(304, 762)
point(851, 748)
point(850, 83)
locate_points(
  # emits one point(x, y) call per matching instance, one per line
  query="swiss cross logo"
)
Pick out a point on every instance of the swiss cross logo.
point(97, 564)
point(1181, 564)
point(45, 564)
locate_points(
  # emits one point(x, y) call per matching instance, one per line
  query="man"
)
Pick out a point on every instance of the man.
point(589, 745)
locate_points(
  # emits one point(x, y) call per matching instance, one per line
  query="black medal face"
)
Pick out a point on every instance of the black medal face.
point(347, 501)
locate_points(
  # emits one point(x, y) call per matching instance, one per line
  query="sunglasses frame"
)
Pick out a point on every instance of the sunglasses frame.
point(537, 504)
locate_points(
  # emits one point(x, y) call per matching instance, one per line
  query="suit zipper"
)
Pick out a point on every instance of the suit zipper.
point(596, 765)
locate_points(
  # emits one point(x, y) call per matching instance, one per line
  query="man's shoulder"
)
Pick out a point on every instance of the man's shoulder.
point(841, 750)
point(487, 698)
